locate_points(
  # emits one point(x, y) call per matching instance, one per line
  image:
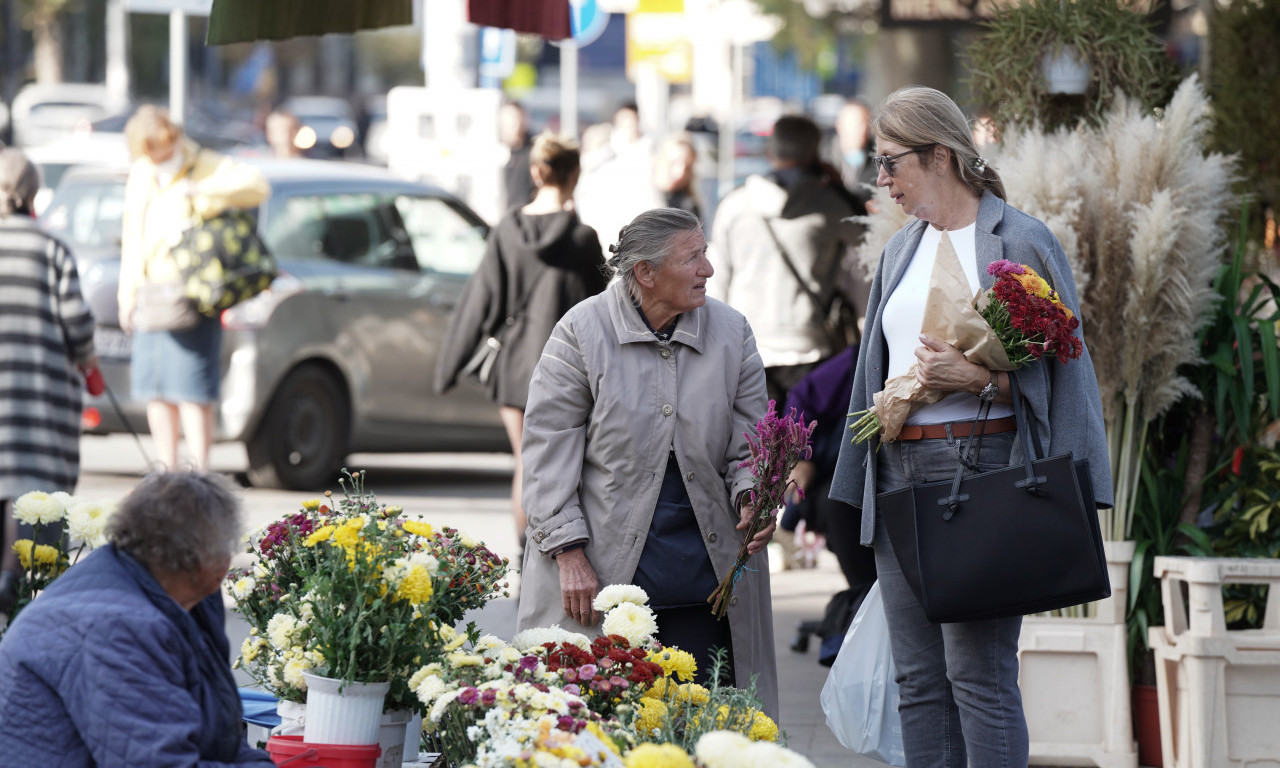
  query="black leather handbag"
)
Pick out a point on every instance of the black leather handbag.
point(1014, 541)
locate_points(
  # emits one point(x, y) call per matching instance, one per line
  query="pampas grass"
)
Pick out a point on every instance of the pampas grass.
point(1137, 204)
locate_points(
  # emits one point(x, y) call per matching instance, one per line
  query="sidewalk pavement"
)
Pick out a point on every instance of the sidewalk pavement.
point(797, 595)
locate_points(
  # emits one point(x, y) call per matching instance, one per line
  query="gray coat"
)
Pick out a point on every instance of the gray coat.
point(45, 329)
point(1061, 400)
point(607, 403)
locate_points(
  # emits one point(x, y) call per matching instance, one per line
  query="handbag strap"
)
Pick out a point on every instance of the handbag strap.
point(786, 259)
point(511, 317)
point(1031, 483)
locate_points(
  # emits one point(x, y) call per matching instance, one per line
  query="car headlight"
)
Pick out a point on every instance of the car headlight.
point(255, 312)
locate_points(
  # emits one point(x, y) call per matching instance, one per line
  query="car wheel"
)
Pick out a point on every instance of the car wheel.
point(302, 439)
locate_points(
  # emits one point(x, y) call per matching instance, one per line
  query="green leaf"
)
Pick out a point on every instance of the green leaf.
point(1270, 365)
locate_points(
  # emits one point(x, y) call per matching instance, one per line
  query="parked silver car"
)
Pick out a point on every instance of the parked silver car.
point(337, 356)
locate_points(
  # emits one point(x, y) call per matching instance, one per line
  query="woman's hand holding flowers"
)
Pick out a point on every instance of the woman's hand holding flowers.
point(764, 536)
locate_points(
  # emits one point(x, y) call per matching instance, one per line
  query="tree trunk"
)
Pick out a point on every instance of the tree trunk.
point(48, 48)
point(1197, 466)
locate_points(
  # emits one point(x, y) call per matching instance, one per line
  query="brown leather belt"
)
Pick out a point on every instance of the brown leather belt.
point(958, 429)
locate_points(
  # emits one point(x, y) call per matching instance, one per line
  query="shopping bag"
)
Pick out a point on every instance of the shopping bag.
point(860, 696)
point(223, 262)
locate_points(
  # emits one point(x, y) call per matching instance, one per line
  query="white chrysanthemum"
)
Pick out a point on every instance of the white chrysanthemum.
point(87, 520)
point(766, 754)
point(634, 622)
point(509, 655)
point(243, 587)
point(442, 703)
point(722, 749)
point(293, 669)
point(38, 507)
point(467, 541)
point(534, 638)
point(427, 561)
point(616, 594)
point(489, 643)
point(428, 689)
point(281, 629)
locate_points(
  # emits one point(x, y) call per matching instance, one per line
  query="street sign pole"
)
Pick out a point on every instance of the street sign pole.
point(178, 66)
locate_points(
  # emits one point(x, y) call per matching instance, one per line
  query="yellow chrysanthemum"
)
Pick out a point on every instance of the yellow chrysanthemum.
point(659, 689)
point(658, 756)
point(348, 534)
point(692, 693)
point(675, 662)
point(46, 555)
point(23, 548)
point(762, 728)
point(652, 714)
point(416, 587)
point(311, 505)
point(318, 535)
point(418, 528)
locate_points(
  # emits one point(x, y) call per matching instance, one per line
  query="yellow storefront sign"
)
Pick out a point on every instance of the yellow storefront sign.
point(657, 37)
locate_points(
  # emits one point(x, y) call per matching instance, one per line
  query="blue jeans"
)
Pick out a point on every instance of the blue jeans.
point(960, 703)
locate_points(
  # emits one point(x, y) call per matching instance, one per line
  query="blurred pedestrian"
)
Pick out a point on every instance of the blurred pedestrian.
point(281, 131)
point(673, 175)
point(854, 148)
point(619, 188)
point(46, 344)
point(782, 251)
point(541, 260)
point(172, 182)
point(513, 132)
point(123, 659)
point(637, 450)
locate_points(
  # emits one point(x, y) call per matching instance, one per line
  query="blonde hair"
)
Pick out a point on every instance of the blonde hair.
point(150, 127)
point(918, 117)
point(557, 158)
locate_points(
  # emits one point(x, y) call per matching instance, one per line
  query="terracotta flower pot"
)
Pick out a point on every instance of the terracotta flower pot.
point(1146, 725)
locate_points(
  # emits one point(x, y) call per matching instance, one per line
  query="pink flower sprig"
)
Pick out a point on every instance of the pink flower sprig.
point(779, 443)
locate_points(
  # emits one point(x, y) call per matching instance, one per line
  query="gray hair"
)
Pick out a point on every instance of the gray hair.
point(178, 522)
point(647, 238)
point(918, 118)
point(19, 182)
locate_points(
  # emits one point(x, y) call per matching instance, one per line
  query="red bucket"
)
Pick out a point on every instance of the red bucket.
point(291, 751)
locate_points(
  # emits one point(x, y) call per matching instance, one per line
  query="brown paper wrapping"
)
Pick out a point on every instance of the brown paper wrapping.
point(950, 316)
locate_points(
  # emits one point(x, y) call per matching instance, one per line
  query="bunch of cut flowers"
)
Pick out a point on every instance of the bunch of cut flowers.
point(351, 589)
point(1021, 319)
point(80, 526)
point(776, 447)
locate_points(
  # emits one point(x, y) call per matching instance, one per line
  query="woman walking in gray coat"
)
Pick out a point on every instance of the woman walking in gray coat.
point(46, 333)
point(633, 440)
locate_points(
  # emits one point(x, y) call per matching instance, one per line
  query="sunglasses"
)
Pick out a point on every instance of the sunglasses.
point(885, 162)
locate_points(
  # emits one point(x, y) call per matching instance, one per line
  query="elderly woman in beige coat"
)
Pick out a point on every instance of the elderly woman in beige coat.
point(633, 437)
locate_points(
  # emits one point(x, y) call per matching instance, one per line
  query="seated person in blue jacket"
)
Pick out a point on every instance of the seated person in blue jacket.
point(123, 660)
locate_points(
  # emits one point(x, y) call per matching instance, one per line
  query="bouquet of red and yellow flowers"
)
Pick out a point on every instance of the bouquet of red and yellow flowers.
point(1021, 319)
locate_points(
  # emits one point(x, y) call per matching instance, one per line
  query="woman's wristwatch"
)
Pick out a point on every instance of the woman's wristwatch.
point(992, 388)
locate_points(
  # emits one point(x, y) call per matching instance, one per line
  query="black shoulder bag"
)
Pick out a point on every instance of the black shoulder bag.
point(1014, 541)
point(485, 356)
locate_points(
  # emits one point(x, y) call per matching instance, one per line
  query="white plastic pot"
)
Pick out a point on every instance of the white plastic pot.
point(1065, 71)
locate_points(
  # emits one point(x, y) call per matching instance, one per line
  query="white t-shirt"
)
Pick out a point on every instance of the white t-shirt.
point(904, 313)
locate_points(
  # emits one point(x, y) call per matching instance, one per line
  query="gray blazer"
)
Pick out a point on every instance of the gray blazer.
point(1061, 400)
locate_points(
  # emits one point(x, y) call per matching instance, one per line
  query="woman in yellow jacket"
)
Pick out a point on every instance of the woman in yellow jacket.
point(172, 182)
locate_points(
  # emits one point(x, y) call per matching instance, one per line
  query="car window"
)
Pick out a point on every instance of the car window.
point(87, 213)
point(443, 239)
point(363, 229)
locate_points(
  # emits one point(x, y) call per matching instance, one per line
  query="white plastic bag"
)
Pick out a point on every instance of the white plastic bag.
point(860, 696)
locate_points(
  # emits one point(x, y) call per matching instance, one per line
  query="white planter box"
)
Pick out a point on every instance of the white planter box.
point(1075, 681)
point(1219, 690)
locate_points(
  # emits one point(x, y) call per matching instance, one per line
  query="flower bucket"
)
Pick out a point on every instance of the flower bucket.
point(293, 752)
point(351, 715)
point(399, 734)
